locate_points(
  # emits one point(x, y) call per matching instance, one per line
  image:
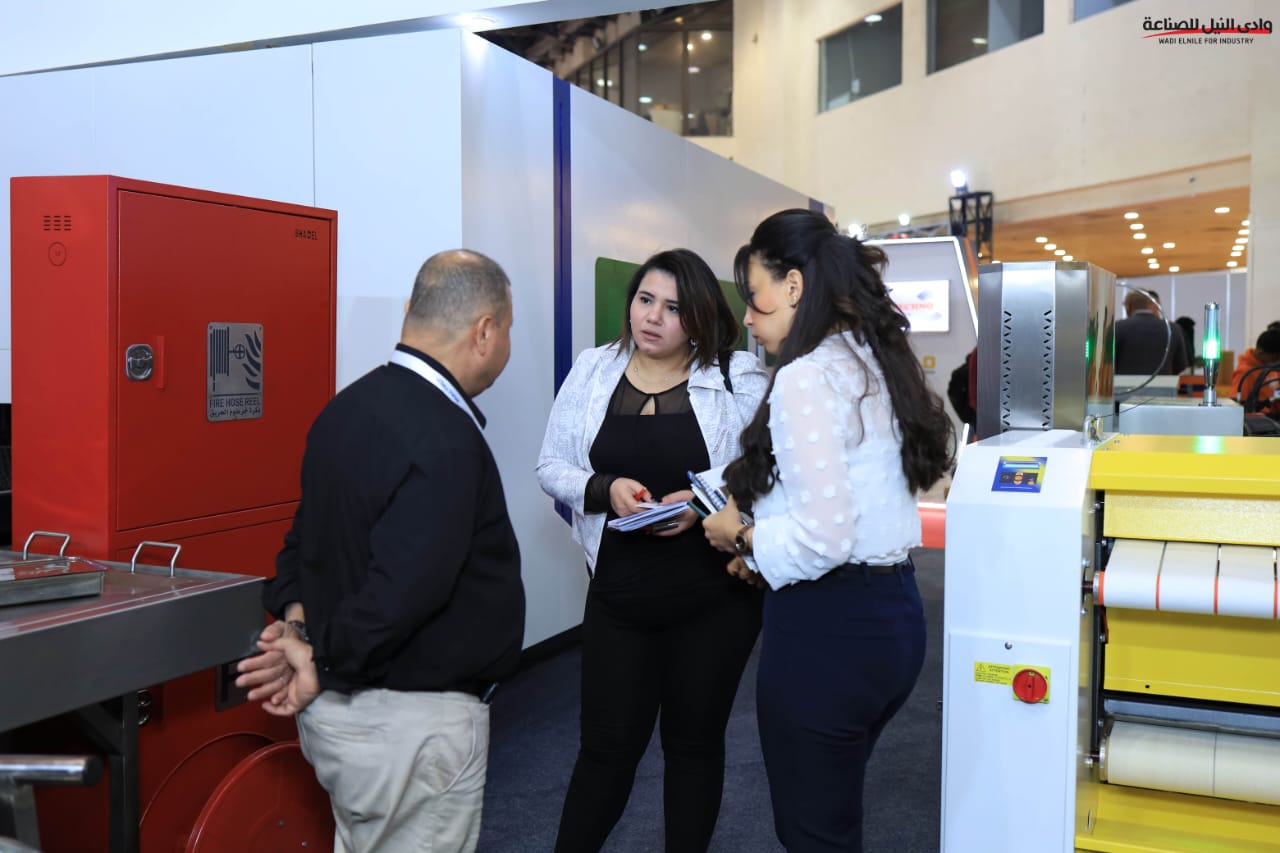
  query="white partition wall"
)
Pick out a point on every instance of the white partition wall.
point(422, 142)
point(1184, 295)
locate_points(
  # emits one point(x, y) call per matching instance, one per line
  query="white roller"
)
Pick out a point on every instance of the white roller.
point(1189, 761)
point(1191, 577)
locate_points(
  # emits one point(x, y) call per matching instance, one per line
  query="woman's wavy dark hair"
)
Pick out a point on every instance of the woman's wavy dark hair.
point(704, 310)
point(842, 291)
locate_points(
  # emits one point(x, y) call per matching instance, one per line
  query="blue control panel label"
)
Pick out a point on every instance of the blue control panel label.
point(1019, 474)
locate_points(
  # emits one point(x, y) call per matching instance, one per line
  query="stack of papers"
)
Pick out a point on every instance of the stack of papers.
point(653, 514)
point(708, 488)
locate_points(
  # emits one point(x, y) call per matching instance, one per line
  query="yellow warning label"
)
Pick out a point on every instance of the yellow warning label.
point(993, 673)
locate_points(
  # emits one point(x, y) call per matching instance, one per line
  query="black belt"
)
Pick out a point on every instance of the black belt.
point(482, 690)
point(871, 568)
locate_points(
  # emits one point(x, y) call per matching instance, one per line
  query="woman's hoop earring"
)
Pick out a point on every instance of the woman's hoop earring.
point(693, 344)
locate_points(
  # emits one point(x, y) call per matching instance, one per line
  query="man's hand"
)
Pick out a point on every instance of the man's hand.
point(303, 686)
point(268, 672)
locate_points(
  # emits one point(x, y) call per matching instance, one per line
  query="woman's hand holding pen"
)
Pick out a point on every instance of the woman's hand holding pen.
point(680, 523)
point(722, 527)
point(625, 496)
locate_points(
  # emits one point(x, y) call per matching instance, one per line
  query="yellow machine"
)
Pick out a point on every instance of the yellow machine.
point(1112, 652)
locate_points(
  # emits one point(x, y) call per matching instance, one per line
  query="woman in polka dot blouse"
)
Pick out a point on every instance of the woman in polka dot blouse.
point(848, 433)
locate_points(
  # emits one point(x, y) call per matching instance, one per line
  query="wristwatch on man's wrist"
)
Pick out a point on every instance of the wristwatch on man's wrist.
point(301, 628)
point(741, 542)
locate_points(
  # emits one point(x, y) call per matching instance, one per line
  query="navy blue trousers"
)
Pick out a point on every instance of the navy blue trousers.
point(839, 657)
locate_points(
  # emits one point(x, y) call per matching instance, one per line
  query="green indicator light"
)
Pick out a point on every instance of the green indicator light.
point(1212, 348)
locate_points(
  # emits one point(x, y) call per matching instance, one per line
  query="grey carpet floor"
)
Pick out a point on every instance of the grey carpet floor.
point(535, 741)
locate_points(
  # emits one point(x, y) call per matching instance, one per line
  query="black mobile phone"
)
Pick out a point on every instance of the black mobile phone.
point(666, 525)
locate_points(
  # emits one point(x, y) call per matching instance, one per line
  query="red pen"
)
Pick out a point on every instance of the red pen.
point(643, 494)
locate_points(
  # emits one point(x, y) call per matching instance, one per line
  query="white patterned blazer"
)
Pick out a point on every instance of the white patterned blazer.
point(578, 411)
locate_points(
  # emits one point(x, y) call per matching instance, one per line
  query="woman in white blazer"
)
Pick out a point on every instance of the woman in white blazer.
point(665, 627)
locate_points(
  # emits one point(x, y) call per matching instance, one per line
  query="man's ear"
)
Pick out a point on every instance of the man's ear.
point(482, 333)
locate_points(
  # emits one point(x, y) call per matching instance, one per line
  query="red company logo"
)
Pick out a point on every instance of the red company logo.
point(1216, 31)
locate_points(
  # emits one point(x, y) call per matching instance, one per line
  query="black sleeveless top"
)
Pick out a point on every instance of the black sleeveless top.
point(683, 572)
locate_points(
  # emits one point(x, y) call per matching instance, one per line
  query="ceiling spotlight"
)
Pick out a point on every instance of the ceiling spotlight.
point(1050, 246)
point(1153, 266)
point(693, 69)
point(1138, 235)
point(904, 219)
point(645, 99)
point(1137, 226)
point(1042, 239)
point(1233, 263)
point(979, 40)
point(874, 18)
point(1222, 210)
point(689, 46)
point(1060, 252)
point(1133, 214)
point(1175, 269)
point(706, 36)
point(1169, 245)
point(1236, 254)
point(1068, 257)
point(1243, 231)
point(857, 229)
point(642, 47)
point(600, 82)
point(1242, 240)
point(1245, 223)
point(1147, 250)
point(959, 180)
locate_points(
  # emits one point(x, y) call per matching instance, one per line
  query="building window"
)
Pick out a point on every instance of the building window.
point(862, 60)
point(960, 30)
point(1085, 8)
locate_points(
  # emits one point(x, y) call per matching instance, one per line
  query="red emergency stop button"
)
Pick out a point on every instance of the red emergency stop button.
point(1030, 686)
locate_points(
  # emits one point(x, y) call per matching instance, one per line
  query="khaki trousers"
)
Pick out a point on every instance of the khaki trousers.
point(404, 771)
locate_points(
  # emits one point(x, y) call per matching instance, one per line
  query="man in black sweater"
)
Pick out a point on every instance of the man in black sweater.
point(398, 589)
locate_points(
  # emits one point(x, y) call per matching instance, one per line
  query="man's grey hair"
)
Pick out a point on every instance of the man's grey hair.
point(456, 287)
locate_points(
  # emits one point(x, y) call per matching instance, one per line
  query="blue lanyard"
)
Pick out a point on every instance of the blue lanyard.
point(433, 376)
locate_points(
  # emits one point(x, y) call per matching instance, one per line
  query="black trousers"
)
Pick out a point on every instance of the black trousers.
point(638, 659)
point(839, 657)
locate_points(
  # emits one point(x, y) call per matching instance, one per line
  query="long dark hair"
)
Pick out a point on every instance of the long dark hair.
point(842, 291)
point(704, 310)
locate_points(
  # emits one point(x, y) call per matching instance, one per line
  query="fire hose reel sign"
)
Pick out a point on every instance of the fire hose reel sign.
point(235, 371)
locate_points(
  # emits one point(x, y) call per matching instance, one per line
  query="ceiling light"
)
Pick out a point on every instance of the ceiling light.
point(857, 229)
point(904, 219)
point(1137, 226)
point(679, 20)
point(979, 40)
point(1133, 214)
point(1050, 246)
point(1061, 252)
point(693, 69)
point(1243, 231)
point(1138, 235)
point(689, 46)
point(642, 47)
point(1042, 239)
point(1222, 210)
point(645, 99)
point(1175, 269)
point(1236, 254)
point(874, 18)
point(1153, 266)
point(1170, 245)
point(1147, 250)
point(1233, 263)
point(1245, 223)
point(1068, 257)
point(691, 115)
point(706, 36)
point(1242, 240)
point(600, 82)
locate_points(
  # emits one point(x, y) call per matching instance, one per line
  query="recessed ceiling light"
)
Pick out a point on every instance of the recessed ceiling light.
point(645, 99)
point(1242, 240)
point(600, 82)
point(1137, 226)
point(1233, 263)
point(692, 115)
point(693, 69)
point(904, 219)
point(1245, 223)
point(706, 36)
point(979, 40)
point(1222, 210)
point(1175, 269)
point(1139, 236)
point(1050, 246)
point(874, 18)
point(1068, 257)
point(1236, 254)
point(1153, 266)
point(642, 47)
point(1042, 239)
point(1243, 231)
point(1169, 245)
point(1133, 214)
point(689, 46)
point(1061, 252)
point(1147, 250)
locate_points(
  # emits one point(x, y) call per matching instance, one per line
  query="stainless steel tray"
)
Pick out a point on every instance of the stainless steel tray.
point(49, 579)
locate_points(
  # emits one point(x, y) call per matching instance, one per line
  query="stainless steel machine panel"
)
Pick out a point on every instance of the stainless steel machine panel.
point(146, 627)
point(1045, 354)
